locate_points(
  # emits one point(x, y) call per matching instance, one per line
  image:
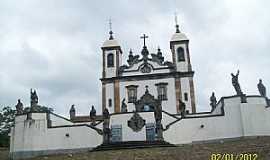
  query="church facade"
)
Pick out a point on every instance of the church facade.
point(170, 82)
point(147, 99)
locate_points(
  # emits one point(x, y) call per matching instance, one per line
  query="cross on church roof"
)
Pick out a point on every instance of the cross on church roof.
point(111, 32)
point(144, 37)
point(176, 23)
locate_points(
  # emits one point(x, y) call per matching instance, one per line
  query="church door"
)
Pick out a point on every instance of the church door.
point(116, 133)
point(150, 132)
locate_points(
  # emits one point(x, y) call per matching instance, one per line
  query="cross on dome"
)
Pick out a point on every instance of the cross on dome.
point(176, 23)
point(111, 32)
point(144, 37)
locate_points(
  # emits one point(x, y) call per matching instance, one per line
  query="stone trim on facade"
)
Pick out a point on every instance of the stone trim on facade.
point(188, 57)
point(136, 70)
point(112, 48)
point(173, 54)
point(116, 96)
point(117, 63)
point(103, 64)
point(103, 96)
point(178, 93)
point(177, 42)
point(192, 95)
point(148, 76)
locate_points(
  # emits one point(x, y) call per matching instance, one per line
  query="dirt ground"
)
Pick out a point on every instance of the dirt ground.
point(256, 148)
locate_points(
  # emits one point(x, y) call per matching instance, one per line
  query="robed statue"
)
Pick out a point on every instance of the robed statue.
point(123, 106)
point(34, 98)
point(213, 101)
point(106, 114)
point(236, 84)
point(106, 126)
point(93, 113)
point(19, 107)
point(261, 88)
point(182, 108)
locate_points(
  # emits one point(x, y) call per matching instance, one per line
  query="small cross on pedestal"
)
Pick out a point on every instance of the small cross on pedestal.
point(144, 37)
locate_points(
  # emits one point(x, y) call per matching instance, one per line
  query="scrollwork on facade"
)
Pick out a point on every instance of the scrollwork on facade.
point(136, 122)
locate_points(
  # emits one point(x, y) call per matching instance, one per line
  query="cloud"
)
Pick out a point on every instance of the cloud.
point(54, 46)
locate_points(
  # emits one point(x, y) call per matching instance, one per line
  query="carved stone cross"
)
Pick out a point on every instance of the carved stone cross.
point(144, 37)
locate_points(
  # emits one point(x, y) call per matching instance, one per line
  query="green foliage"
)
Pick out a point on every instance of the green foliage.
point(7, 115)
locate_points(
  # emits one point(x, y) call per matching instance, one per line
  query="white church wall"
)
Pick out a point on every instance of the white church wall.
point(218, 127)
point(79, 137)
point(120, 59)
point(218, 109)
point(33, 135)
point(181, 66)
point(256, 117)
point(57, 121)
point(127, 133)
point(169, 105)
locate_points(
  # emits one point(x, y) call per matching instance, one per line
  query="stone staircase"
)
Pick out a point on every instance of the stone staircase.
point(132, 145)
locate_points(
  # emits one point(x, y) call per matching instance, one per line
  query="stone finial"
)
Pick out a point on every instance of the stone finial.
point(146, 89)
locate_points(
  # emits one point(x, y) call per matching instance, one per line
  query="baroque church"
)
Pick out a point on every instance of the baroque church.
point(146, 101)
point(168, 82)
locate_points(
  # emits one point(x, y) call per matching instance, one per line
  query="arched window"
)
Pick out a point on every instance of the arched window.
point(180, 54)
point(110, 60)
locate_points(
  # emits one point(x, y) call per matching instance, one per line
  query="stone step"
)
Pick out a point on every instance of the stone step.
point(132, 145)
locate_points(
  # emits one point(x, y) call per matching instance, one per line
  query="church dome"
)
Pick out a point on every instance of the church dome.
point(179, 37)
point(110, 43)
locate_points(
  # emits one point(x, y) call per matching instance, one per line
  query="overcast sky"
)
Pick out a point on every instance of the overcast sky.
point(54, 46)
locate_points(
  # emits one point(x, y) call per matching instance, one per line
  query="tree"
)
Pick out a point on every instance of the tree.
point(7, 115)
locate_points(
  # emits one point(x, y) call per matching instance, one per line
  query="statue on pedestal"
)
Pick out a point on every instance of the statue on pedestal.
point(106, 126)
point(261, 88)
point(213, 101)
point(124, 106)
point(182, 108)
point(34, 100)
point(158, 118)
point(19, 107)
point(93, 114)
point(236, 84)
point(72, 112)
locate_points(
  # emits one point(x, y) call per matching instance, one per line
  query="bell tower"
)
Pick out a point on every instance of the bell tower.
point(111, 61)
point(184, 84)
